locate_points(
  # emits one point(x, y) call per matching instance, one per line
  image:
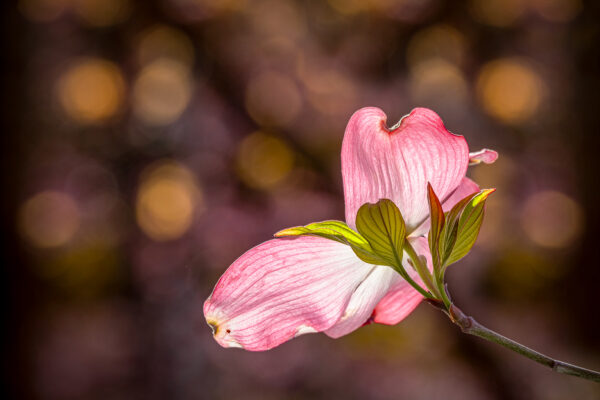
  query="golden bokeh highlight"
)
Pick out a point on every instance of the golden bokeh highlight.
point(499, 13)
point(162, 41)
point(49, 219)
point(552, 219)
point(102, 13)
point(264, 161)
point(167, 200)
point(273, 99)
point(91, 91)
point(438, 80)
point(330, 92)
point(558, 10)
point(438, 41)
point(42, 10)
point(510, 90)
point(161, 92)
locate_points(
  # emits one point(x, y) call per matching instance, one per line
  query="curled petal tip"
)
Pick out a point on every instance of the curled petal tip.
point(419, 115)
point(374, 117)
point(214, 327)
point(223, 335)
point(423, 113)
point(486, 156)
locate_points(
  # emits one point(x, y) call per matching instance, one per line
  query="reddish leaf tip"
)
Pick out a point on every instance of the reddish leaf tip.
point(483, 195)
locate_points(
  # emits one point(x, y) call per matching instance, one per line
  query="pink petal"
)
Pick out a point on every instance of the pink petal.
point(486, 156)
point(283, 288)
point(466, 187)
point(364, 300)
point(402, 299)
point(397, 163)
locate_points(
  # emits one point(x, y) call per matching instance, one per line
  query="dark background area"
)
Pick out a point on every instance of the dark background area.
point(147, 144)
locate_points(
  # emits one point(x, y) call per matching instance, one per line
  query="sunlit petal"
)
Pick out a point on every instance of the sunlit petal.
point(396, 163)
point(281, 289)
point(364, 300)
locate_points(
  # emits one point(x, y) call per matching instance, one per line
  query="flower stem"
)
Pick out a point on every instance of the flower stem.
point(439, 281)
point(400, 269)
point(421, 269)
point(468, 325)
point(415, 285)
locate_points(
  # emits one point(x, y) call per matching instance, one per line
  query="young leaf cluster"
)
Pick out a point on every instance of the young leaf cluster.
point(453, 233)
point(380, 238)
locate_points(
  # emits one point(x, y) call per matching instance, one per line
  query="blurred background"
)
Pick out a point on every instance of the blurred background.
point(148, 144)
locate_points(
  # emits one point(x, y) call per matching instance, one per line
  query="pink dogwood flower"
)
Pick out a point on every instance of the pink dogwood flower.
point(290, 286)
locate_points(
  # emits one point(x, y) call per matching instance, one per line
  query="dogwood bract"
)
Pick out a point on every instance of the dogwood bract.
point(290, 286)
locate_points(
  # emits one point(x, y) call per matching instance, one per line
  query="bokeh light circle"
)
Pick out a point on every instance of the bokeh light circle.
point(49, 219)
point(438, 41)
point(510, 90)
point(552, 219)
point(91, 90)
point(161, 92)
point(264, 161)
point(167, 199)
point(273, 98)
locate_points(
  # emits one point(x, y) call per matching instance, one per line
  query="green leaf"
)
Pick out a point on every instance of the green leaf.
point(437, 225)
point(449, 234)
point(338, 231)
point(468, 225)
point(334, 230)
point(366, 254)
point(340, 228)
point(382, 225)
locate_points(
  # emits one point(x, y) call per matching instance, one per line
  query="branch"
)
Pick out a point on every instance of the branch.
point(468, 325)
